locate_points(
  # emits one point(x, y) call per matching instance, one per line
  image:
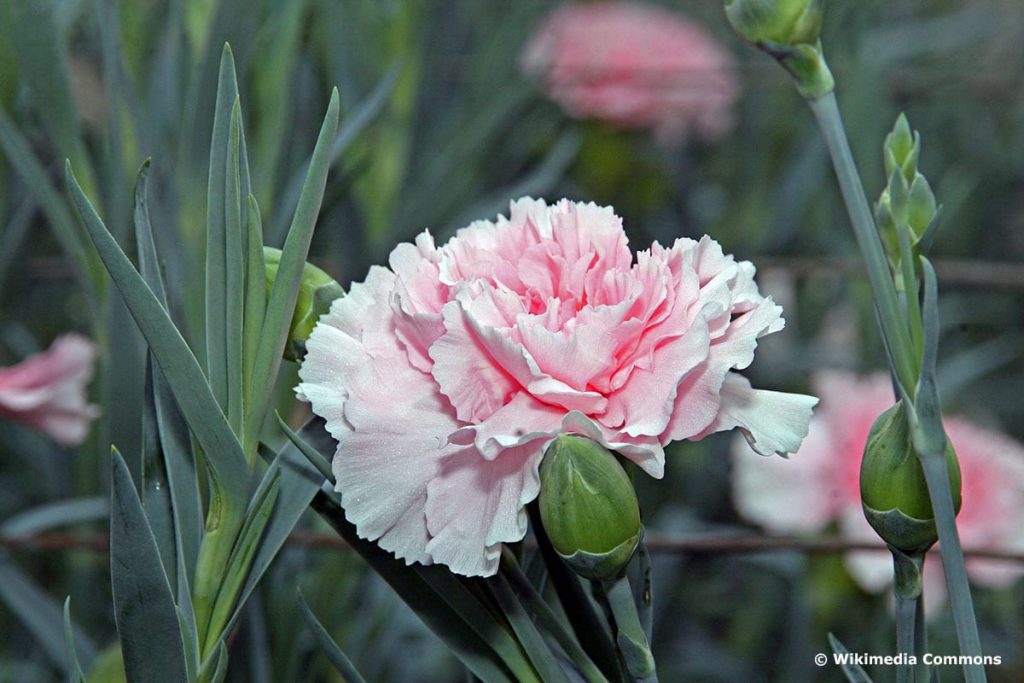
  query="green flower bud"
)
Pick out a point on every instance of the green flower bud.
point(901, 149)
point(588, 507)
point(893, 490)
point(786, 22)
point(789, 31)
point(316, 292)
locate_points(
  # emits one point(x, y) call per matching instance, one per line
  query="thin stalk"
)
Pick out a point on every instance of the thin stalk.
point(892, 321)
point(921, 638)
point(907, 589)
point(936, 474)
point(634, 649)
point(905, 365)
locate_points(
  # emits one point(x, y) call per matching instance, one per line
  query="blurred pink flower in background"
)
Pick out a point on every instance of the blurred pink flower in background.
point(444, 378)
point(635, 66)
point(820, 485)
point(47, 391)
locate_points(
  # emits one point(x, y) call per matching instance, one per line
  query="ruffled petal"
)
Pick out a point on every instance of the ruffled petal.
point(474, 505)
point(771, 421)
point(390, 422)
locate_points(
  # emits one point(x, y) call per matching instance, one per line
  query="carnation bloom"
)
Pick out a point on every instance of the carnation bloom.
point(47, 391)
point(635, 66)
point(444, 378)
point(821, 485)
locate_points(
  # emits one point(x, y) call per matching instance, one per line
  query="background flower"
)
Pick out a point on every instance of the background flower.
point(821, 484)
point(47, 391)
point(636, 66)
point(444, 378)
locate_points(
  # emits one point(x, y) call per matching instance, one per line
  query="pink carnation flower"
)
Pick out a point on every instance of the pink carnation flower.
point(636, 66)
point(444, 378)
point(821, 485)
point(47, 390)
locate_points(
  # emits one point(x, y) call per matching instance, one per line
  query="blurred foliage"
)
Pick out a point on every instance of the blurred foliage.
point(449, 130)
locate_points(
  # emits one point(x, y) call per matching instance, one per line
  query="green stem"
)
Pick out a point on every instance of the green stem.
point(906, 367)
point(907, 589)
point(891, 319)
point(921, 637)
point(936, 474)
point(630, 637)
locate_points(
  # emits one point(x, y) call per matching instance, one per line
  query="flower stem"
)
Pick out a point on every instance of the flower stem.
point(907, 589)
point(891, 319)
point(936, 474)
point(906, 367)
point(631, 639)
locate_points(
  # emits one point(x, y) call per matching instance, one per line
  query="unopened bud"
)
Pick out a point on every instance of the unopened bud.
point(316, 292)
point(588, 507)
point(788, 30)
point(901, 149)
point(893, 489)
point(786, 22)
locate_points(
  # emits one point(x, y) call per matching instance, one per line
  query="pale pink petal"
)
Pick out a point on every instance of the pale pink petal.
point(635, 66)
point(465, 369)
point(390, 422)
point(788, 495)
point(47, 391)
point(992, 511)
point(645, 403)
point(771, 421)
point(475, 505)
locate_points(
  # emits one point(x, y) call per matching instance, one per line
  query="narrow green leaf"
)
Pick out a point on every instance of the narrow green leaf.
point(191, 646)
point(234, 257)
point(299, 483)
point(173, 440)
point(41, 616)
point(334, 654)
point(187, 619)
point(318, 461)
point(144, 609)
point(184, 376)
point(255, 298)
point(590, 629)
point(44, 67)
point(57, 514)
point(216, 229)
point(853, 672)
point(75, 673)
point(536, 647)
point(156, 493)
point(215, 668)
point(281, 304)
point(546, 618)
point(454, 613)
point(149, 262)
point(61, 222)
